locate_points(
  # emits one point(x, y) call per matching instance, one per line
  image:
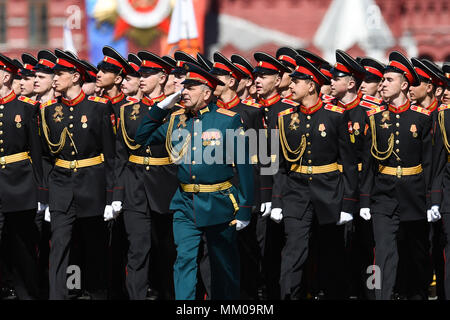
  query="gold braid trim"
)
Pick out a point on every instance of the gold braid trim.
point(441, 120)
point(379, 154)
point(285, 146)
point(128, 141)
point(174, 155)
point(62, 138)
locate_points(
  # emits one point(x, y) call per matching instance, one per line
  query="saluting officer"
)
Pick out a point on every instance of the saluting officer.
point(79, 136)
point(206, 201)
point(396, 179)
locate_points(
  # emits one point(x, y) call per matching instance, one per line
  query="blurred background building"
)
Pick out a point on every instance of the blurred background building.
point(361, 27)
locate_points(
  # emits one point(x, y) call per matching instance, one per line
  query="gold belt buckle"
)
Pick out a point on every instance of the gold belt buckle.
point(196, 188)
point(146, 160)
point(73, 164)
point(309, 170)
point(2, 161)
point(399, 172)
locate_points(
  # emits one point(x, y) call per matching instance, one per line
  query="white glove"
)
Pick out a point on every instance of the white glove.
point(170, 101)
point(117, 206)
point(435, 215)
point(241, 224)
point(47, 214)
point(41, 207)
point(344, 218)
point(108, 214)
point(365, 213)
point(276, 215)
point(265, 208)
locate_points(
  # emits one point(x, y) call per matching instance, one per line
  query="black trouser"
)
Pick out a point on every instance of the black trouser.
point(43, 253)
point(446, 229)
point(414, 252)
point(20, 242)
point(295, 253)
point(91, 235)
point(117, 257)
point(438, 240)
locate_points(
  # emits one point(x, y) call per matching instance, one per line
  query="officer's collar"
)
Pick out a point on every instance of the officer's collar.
point(200, 113)
point(228, 105)
point(433, 105)
point(115, 99)
point(9, 97)
point(151, 101)
point(74, 101)
point(312, 109)
point(351, 104)
point(270, 101)
point(401, 108)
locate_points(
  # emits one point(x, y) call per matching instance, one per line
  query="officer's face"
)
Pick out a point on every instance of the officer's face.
point(446, 96)
point(420, 92)
point(43, 82)
point(369, 87)
point(107, 79)
point(26, 85)
point(64, 80)
point(169, 88)
point(130, 85)
point(195, 96)
point(151, 80)
point(300, 88)
point(339, 86)
point(392, 85)
point(266, 84)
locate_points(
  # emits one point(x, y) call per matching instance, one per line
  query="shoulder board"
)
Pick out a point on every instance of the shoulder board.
point(421, 110)
point(48, 103)
point(292, 103)
point(251, 103)
point(368, 105)
point(177, 113)
point(375, 110)
point(334, 108)
point(27, 100)
point(372, 99)
point(98, 99)
point(326, 97)
point(285, 112)
point(226, 112)
point(132, 99)
point(444, 107)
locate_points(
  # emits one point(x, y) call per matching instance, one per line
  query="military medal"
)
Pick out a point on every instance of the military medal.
point(356, 127)
point(84, 121)
point(294, 121)
point(18, 119)
point(385, 116)
point(136, 108)
point(182, 122)
point(322, 130)
point(58, 115)
point(413, 129)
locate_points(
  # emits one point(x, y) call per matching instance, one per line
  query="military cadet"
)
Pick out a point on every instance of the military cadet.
point(396, 179)
point(89, 85)
point(79, 135)
point(130, 85)
point(142, 170)
point(372, 79)
point(16, 79)
point(268, 75)
point(446, 94)
point(20, 156)
point(325, 69)
point(441, 84)
point(286, 55)
point(246, 89)
point(251, 116)
point(43, 81)
point(206, 201)
point(27, 73)
point(313, 140)
point(169, 88)
point(440, 188)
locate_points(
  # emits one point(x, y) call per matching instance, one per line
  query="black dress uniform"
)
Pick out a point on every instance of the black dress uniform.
point(146, 183)
point(20, 186)
point(80, 138)
point(396, 180)
point(312, 143)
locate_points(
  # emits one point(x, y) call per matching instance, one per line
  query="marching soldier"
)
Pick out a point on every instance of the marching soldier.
point(372, 79)
point(131, 83)
point(313, 140)
point(446, 95)
point(206, 201)
point(27, 73)
point(286, 55)
point(89, 86)
point(79, 136)
point(20, 156)
point(396, 179)
point(246, 89)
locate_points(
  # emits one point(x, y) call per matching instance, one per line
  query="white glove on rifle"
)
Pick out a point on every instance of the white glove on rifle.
point(265, 208)
point(344, 218)
point(365, 213)
point(276, 215)
point(170, 101)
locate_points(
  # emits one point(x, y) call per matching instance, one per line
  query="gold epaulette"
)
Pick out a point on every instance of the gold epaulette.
point(444, 107)
point(285, 112)
point(288, 101)
point(98, 99)
point(420, 110)
point(226, 112)
point(372, 99)
point(334, 108)
point(48, 103)
point(375, 110)
point(132, 99)
point(27, 100)
point(251, 103)
point(178, 112)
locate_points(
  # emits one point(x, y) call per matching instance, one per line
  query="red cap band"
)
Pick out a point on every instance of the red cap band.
point(341, 67)
point(113, 61)
point(400, 66)
point(198, 77)
point(374, 71)
point(28, 67)
point(267, 65)
point(326, 73)
point(244, 70)
point(134, 66)
point(47, 63)
point(303, 70)
point(224, 67)
point(287, 59)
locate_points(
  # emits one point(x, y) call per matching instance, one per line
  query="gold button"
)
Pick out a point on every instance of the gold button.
point(147, 168)
point(71, 144)
point(71, 108)
point(397, 141)
point(1, 115)
point(308, 143)
point(309, 161)
point(3, 167)
point(307, 134)
point(75, 170)
point(2, 150)
point(266, 109)
point(194, 148)
point(309, 151)
point(73, 153)
point(1, 132)
point(397, 124)
point(308, 125)
point(71, 125)
point(310, 178)
point(308, 117)
point(148, 150)
point(397, 133)
point(193, 162)
point(1, 123)
point(195, 133)
point(71, 117)
point(397, 150)
point(193, 177)
point(397, 116)
point(2, 107)
point(71, 134)
point(198, 120)
point(1, 141)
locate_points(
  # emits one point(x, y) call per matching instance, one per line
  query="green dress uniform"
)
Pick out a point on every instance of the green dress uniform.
point(206, 201)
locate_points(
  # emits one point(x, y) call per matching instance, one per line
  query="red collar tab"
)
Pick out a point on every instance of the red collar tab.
point(270, 101)
point(75, 101)
point(9, 97)
point(433, 105)
point(228, 105)
point(401, 108)
point(312, 109)
point(115, 99)
point(350, 105)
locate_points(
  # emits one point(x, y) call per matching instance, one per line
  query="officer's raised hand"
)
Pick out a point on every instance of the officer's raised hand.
point(170, 101)
point(266, 208)
point(344, 218)
point(365, 213)
point(276, 214)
